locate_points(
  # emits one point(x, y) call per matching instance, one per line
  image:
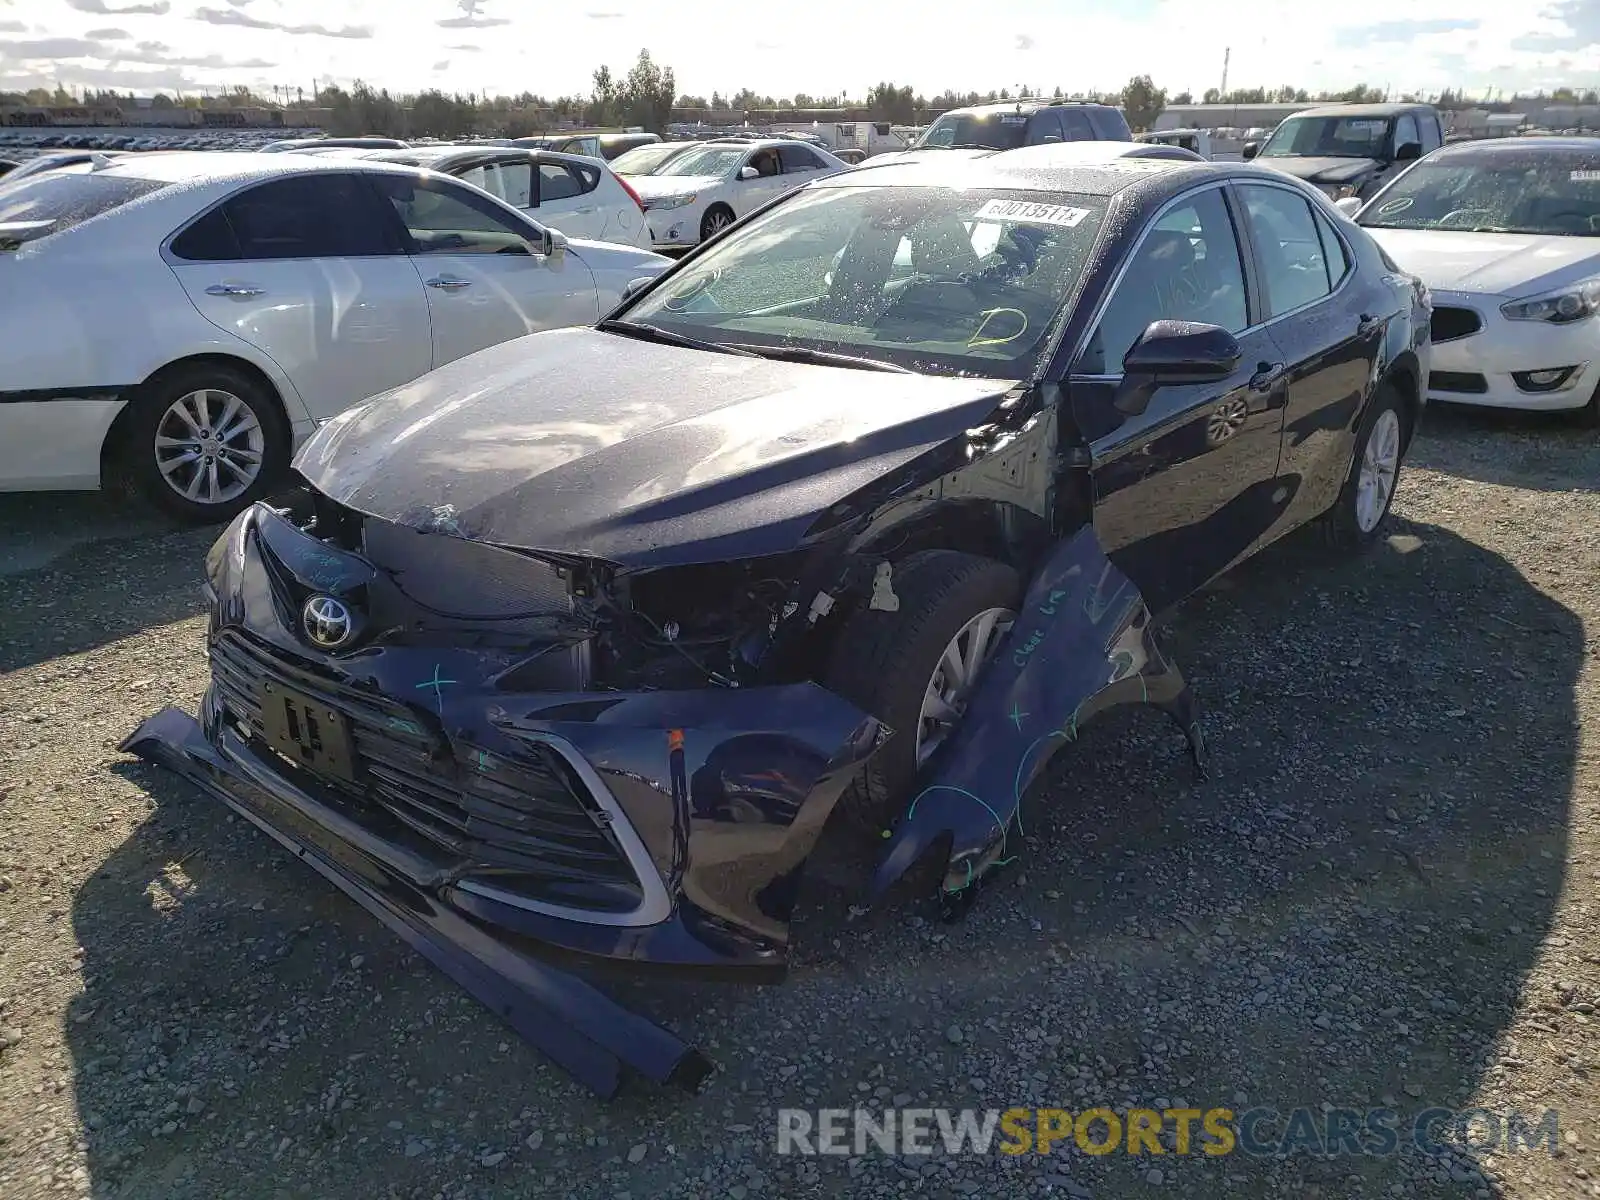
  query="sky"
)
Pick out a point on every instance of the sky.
point(824, 47)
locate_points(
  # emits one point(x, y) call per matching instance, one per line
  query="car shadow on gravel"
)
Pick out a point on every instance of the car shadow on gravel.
point(1547, 452)
point(114, 565)
point(1345, 914)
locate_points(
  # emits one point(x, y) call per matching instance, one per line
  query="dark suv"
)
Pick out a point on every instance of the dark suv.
point(1025, 123)
point(1350, 149)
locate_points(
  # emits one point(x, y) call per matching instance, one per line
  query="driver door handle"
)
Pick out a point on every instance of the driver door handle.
point(234, 289)
point(1266, 376)
point(448, 283)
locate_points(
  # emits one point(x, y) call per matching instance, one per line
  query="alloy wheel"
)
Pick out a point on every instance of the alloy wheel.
point(944, 700)
point(209, 446)
point(1380, 464)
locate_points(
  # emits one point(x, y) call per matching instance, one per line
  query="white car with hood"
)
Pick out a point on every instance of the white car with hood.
point(696, 195)
point(1506, 234)
point(184, 320)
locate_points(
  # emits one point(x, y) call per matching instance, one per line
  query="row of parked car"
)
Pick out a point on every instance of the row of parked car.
point(279, 288)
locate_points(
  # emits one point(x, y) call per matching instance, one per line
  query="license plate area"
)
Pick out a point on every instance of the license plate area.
point(307, 732)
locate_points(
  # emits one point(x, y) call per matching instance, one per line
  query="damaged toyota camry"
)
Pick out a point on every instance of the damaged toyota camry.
point(561, 656)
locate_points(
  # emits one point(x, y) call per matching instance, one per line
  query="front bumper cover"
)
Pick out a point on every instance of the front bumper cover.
point(571, 1021)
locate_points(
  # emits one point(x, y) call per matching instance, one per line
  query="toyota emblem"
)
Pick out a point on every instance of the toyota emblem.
point(329, 623)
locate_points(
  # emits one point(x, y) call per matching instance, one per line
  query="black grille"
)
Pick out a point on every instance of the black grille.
point(528, 826)
point(1450, 323)
point(1468, 382)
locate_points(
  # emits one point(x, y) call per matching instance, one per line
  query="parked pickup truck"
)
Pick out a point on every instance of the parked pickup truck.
point(1350, 149)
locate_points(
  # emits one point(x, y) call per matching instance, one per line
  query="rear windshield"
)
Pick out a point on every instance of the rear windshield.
point(992, 131)
point(43, 204)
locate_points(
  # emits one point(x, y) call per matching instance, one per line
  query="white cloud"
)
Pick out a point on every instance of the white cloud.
point(844, 45)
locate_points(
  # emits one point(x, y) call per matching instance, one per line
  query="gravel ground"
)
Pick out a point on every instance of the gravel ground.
point(1383, 897)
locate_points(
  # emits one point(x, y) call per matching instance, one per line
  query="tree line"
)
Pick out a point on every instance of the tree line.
point(646, 96)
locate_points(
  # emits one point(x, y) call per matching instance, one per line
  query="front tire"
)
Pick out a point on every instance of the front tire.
point(203, 442)
point(1357, 516)
point(718, 217)
point(903, 667)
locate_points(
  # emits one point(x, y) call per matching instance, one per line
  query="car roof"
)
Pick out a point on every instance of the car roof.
point(1582, 147)
point(1363, 110)
point(1055, 167)
point(201, 166)
point(1023, 106)
point(759, 143)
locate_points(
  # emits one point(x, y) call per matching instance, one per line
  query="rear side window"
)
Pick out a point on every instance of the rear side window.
point(309, 216)
point(798, 158)
point(1333, 253)
point(38, 206)
point(559, 181)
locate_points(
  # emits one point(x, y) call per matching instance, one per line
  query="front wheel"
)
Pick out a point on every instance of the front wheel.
point(717, 218)
point(1356, 516)
point(205, 442)
point(916, 668)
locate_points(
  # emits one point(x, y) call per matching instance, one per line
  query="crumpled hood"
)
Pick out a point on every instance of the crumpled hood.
point(588, 443)
point(651, 186)
point(1497, 264)
point(1323, 170)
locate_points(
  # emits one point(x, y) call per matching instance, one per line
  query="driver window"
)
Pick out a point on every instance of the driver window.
point(449, 220)
point(1186, 268)
point(765, 162)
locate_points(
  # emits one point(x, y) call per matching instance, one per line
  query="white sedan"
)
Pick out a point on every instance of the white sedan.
point(184, 320)
point(582, 197)
point(1506, 234)
point(699, 193)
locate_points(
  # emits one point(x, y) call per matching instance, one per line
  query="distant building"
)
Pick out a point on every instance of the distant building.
point(1226, 116)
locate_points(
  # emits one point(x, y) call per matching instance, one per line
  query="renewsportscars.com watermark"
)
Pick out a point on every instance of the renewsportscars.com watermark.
point(1213, 1132)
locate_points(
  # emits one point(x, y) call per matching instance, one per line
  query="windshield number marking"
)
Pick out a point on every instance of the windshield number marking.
point(1038, 214)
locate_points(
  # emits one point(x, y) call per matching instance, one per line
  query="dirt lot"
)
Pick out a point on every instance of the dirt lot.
point(1385, 896)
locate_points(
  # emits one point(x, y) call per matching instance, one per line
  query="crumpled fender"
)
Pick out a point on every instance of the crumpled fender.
point(1082, 643)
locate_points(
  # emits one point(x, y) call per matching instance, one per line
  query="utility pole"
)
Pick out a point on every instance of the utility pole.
point(1227, 54)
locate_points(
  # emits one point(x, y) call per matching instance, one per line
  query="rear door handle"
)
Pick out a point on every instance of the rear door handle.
point(1267, 374)
point(448, 283)
point(1367, 326)
point(234, 289)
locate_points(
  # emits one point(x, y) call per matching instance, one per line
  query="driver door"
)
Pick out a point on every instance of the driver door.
point(751, 194)
point(484, 286)
point(1186, 487)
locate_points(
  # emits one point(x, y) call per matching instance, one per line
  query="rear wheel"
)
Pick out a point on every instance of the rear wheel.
point(718, 217)
point(204, 442)
point(1357, 515)
point(915, 669)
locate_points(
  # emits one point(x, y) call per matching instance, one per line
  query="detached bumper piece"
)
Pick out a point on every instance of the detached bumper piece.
point(1082, 643)
point(573, 1023)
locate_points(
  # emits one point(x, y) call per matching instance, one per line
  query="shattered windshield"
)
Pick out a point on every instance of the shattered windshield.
point(933, 279)
point(1545, 194)
point(1328, 137)
point(997, 131)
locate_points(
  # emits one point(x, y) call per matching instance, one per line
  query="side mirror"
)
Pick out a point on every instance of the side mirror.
point(1348, 205)
point(1174, 352)
point(749, 173)
point(1251, 149)
point(552, 244)
point(1409, 152)
point(635, 286)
